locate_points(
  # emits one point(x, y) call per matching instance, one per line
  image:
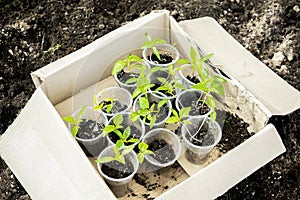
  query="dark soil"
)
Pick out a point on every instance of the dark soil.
point(197, 107)
point(118, 170)
point(124, 76)
point(89, 129)
point(202, 137)
point(29, 31)
point(193, 79)
point(163, 152)
point(164, 58)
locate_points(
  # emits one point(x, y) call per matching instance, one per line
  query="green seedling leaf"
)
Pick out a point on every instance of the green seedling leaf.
point(128, 149)
point(159, 41)
point(108, 128)
point(134, 58)
point(74, 131)
point(174, 112)
point(161, 79)
point(121, 159)
point(156, 52)
point(134, 116)
point(133, 140)
point(206, 57)
point(69, 119)
point(105, 159)
point(155, 69)
point(126, 132)
point(140, 157)
point(143, 146)
point(183, 61)
point(162, 103)
point(152, 121)
point(119, 144)
point(118, 119)
point(179, 86)
point(81, 112)
point(184, 112)
point(193, 53)
point(144, 103)
point(119, 65)
point(213, 116)
point(172, 120)
point(131, 80)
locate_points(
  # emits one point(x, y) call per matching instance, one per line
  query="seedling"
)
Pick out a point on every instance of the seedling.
point(119, 156)
point(147, 111)
point(169, 86)
point(75, 122)
point(129, 62)
point(142, 85)
point(143, 150)
point(180, 117)
point(151, 44)
point(115, 128)
point(107, 104)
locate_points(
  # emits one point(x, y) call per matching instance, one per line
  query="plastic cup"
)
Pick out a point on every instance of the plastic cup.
point(154, 96)
point(170, 138)
point(197, 154)
point(120, 94)
point(92, 147)
point(164, 49)
point(118, 186)
point(131, 87)
point(138, 126)
point(190, 97)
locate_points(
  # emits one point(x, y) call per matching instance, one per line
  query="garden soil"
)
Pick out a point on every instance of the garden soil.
point(35, 33)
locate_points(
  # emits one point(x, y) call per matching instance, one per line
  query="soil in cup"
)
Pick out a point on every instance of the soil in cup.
point(193, 79)
point(164, 58)
point(164, 152)
point(118, 170)
point(203, 137)
point(89, 129)
point(124, 76)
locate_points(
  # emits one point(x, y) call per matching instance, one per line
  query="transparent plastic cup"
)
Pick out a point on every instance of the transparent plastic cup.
point(163, 49)
point(172, 141)
point(118, 186)
point(131, 87)
point(137, 127)
point(198, 154)
point(120, 94)
point(190, 97)
point(92, 147)
point(185, 71)
point(154, 96)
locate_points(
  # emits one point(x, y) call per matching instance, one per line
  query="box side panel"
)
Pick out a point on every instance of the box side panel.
point(279, 97)
point(231, 168)
point(68, 75)
point(46, 159)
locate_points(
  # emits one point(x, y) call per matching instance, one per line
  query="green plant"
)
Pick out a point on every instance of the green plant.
point(116, 128)
point(169, 86)
point(130, 61)
point(119, 156)
point(143, 150)
point(55, 48)
point(142, 84)
point(151, 44)
point(208, 84)
point(179, 117)
point(107, 104)
point(147, 111)
point(75, 122)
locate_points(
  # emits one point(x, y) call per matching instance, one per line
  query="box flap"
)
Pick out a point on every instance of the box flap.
point(231, 168)
point(276, 94)
point(46, 159)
